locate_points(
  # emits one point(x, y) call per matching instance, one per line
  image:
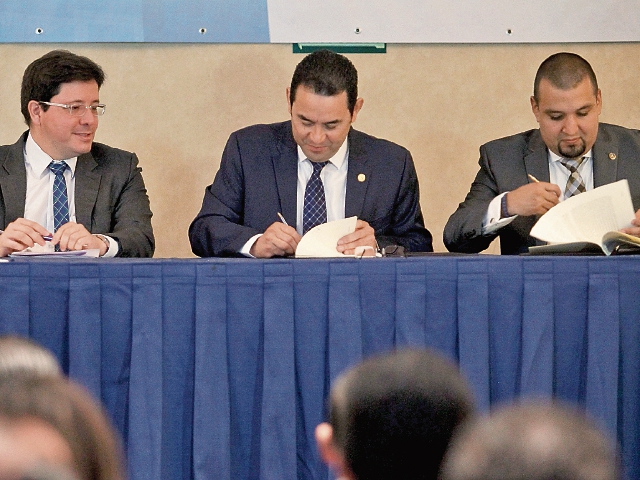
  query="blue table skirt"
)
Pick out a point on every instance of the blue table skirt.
point(221, 368)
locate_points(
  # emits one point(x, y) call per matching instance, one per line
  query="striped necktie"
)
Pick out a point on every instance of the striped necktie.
point(575, 183)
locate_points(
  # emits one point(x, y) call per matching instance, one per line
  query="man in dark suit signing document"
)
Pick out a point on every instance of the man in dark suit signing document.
point(56, 183)
point(522, 176)
point(277, 181)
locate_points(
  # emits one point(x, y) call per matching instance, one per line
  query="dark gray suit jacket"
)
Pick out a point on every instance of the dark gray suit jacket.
point(110, 197)
point(258, 178)
point(504, 166)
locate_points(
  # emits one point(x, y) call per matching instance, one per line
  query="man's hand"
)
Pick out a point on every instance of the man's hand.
point(20, 234)
point(363, 236)
point(635, 230)
point(533, 199)
point(277, 241)
point(74, 236)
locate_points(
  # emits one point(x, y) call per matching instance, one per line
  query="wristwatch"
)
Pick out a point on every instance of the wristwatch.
point(504, 211)
point(104, 239)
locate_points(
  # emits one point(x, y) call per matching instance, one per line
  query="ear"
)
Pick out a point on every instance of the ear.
point(356, 108)
point(329, 453)
point(599, 101)
point(35, 110)
point(535, 108)
point(289, 99)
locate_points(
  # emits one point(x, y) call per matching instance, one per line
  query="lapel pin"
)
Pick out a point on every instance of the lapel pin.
point(612, 156)
point(361, 177)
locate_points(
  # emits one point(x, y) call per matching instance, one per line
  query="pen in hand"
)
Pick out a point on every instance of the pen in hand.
point(282, 219)
point(533, 179)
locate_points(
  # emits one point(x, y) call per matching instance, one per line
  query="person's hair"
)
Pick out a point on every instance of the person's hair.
point(535, 441)
point(42, 78)
point(21, 355)
point(565, 71)
point(326, 73)
point(393, 415)
point(72, 412)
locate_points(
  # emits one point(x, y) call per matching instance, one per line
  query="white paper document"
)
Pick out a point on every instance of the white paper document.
point(321, 240)
point(587, 217)
point(90, 253)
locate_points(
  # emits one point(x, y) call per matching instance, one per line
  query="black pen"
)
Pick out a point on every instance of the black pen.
point(282, 219)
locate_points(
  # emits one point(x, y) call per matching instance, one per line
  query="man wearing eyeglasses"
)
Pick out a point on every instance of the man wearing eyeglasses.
point(56, 183)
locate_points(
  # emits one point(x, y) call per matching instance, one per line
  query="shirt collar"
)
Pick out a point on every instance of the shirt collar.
point(337, 160)
point(39, 161)
point(556, 158)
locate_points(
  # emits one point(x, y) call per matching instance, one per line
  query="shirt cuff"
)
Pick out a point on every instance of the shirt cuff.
point(112, 251)
point(246, 248)
point(492, 221)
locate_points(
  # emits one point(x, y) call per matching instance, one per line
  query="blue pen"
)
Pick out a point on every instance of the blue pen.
point(47, 238)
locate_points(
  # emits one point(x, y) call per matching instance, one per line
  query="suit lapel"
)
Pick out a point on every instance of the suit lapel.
point(86, 190)
point(13, 181)
point(285, 167)
point(358, 174)
point(605, 159)
point(537, 159)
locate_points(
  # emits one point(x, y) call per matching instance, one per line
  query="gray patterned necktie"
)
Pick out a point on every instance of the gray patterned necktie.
point(575, 183)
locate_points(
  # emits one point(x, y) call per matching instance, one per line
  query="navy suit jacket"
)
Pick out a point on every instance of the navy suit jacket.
point(504, 166)
point(258, 178)
point(110, 197)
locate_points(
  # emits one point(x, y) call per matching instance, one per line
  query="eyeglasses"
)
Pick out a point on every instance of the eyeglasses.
point(78, 110)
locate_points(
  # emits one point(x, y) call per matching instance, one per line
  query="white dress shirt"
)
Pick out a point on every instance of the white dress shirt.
point(558, 174)
point(39, 201)
point(334, 179)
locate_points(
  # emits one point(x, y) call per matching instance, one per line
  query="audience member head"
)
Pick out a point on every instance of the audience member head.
point(61, 424)
point(43, 77)
point(21, 355)
point(537, 441)
point(30, 449)
point(326, 73)
point(393, 415)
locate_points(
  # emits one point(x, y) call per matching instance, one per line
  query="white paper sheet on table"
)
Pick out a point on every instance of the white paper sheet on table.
point(321, 240)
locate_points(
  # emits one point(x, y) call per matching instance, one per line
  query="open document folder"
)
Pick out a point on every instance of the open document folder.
point(592, 218)
point(321, 240)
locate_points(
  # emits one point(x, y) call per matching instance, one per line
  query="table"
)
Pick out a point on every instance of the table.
point(220, 368)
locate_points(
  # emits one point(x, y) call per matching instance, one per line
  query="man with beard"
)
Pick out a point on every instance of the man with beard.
point(522, 176)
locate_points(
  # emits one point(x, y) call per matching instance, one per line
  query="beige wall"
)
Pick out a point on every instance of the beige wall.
point(175, 106)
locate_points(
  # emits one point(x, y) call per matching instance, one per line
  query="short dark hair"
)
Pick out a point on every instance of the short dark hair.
point(71, 411)
point(393, 415)
point(564, 70)
point(326, 73)
point(43, 77)
point(531, 441)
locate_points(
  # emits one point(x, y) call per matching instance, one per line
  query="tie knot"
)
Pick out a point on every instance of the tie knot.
point(58, 167)
point(318, 166)
point(571, 163)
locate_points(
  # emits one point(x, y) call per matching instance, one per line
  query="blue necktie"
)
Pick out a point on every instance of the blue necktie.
point(60, 198)
point(315, 205)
